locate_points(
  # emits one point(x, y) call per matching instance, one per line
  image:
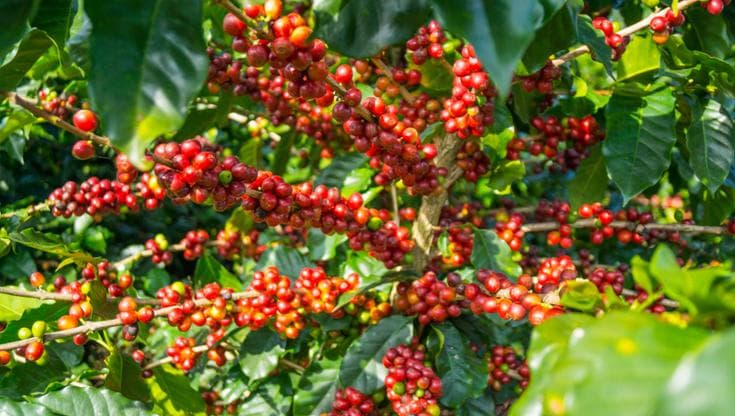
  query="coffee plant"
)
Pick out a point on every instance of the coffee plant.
point(360, 207)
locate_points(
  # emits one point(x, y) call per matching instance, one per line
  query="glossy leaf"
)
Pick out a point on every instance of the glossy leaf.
point(209, 270)
point(708, 33)
point(590, 180)
point(555, 35)
point(340, 168)
point(321, 246)
point(75, 401)
point(272, 398)
point(260, 352)
point(316, 388)
point(703, 382)
point(14, 16)
point(172, 394)
point(147, 93)
point(500, 31)
point(13, 307)
point(481, 406)
point(52, 244)
point(288, 261)
point(13, 122)
point(711, 143)
point(639, 140)
point(11, 408)
point(490, 252)
point(125, 377)
point(616, 365)
point(54, 17)
point(29, 377)
point(463, 373)
point(641, 57)
point(30, 48)
point(362, 366)
point(362, 28)
point(581, 295)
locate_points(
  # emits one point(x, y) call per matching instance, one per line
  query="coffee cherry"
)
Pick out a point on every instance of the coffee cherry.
point(34, 351)
point(24, 333)
point(37, 279)
point(232, 25)
point(67, 322)
point(85, 120)
point(80, 339)
point(5, 358)
point(38, 329)
point(83, 150)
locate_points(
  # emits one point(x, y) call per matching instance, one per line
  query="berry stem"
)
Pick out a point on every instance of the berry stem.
point(98, 325)
point(58, 122)
point(626, 31)
point(388, 73)
point(592, 223)
point(30, 210)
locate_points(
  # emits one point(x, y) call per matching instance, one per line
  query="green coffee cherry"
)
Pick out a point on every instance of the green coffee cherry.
point(24, 333)
point(38, 329)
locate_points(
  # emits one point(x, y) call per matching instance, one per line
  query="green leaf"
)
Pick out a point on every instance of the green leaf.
point(356, 181)
point(50, 243)
point(249, 152)
point(272, 398)
point(29, 377)
point(146, 94)
point(288, 261)
point(11, 408)
point(595, 39)
point(481, 406)
point(260, 352)
point(341, 167)
point(703, 382)
point(363, 28)
point(283, 152)
point(463, 373)
point(156, 279)
point(13, 307)
point(44, 312)
point(500, 31)
point(615, 365)
point(75, 401)
point(557, 34)
point(504, 174)
point(362, 366)
point(30, 48)
point(315, 391)
point(581, 295)
point(124, 377)
point(717, 205)
point(14, 15)
point(641, 57)
point(209, 270)
point(708, 33)
point(640, 138)
point(590, 180)
point(54, 17)
point(710, 140)
point(172, 394)
point(14, 121)
point(641, 275)
point(321, 246)
point(490, 252)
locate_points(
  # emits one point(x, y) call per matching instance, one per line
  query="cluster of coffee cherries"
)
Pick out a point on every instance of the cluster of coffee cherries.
point(556, 211)
point(182, 353)
point(576, 134)
point(59, 105)
point(158, 246)
point(193, 243)
point(461, 242)
point(352, 402)
point(276, 298)
point(420, 113)
point(369, 308)
point(429, 298)
point(394, 148)
point(496, 294)
point(624, 235)
point(320, 293)
point(387, 85)
point(508, 226)
point(412, 387)
point(663, 25)
point(194, 171)
point(231, 243)
point(503, 366)
point(470, 108)
point(150, 190)
point(553, 272)
point(472, 160)
point(543, 80)
point(106, 273)
point(427, 43)
point(286, 47)
point(212, 398)
point(613, 39)
point(96, 197)
point(603, 277)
